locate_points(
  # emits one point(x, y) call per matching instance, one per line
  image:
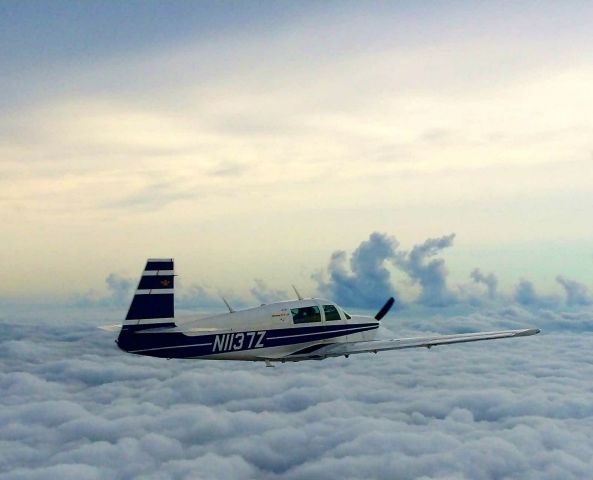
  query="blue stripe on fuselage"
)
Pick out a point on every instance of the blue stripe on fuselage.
point(179, 345)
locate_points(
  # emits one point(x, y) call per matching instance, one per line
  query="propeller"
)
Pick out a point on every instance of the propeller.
point(385, 308)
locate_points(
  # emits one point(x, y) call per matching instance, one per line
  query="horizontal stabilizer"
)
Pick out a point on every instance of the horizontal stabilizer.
point(110, 328)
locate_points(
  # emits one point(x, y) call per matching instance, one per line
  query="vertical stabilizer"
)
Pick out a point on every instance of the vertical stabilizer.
point(153, 302)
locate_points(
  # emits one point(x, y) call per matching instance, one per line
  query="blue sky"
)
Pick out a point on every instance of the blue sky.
point(72, 31)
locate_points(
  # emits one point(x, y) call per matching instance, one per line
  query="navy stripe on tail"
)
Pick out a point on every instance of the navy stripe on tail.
point(154, 298)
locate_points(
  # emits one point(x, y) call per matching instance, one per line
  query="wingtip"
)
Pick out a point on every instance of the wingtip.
point(528, 332)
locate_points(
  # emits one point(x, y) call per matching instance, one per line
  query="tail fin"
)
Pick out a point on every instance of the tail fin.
point(153, 302)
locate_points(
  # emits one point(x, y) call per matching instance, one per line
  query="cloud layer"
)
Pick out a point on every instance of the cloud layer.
point(75, 407)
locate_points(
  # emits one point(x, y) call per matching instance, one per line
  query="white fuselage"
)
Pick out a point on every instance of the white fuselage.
point(268, 332)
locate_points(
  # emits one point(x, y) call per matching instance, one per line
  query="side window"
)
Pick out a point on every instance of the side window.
point(306, 314)
point(331, 313)
point(346, 314)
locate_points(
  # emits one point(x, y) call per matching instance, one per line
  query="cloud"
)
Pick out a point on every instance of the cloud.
point(576, 293)
point(208, 298)
point(119, 293)
point(74, 406)
point(265, 294)
point(364, 280)
point(229, 169)
point(526, 295)
point(465, 318)
point(367, 283)
point(194, 297)
point(489, 280)
point(119, 288)
point(152, 197)
point(199, 297)
point(430, 274)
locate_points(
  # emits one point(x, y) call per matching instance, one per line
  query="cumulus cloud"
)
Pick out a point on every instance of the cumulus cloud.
point(74, 406)
point(576, 293)
point(364, 279)
point(119, 288)
point(526, 295)
point(431, 275)
point(489, 280)
point(367, 281)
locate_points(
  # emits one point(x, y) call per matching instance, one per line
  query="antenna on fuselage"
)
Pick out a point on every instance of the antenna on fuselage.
point(228, 305)
point(299, 296)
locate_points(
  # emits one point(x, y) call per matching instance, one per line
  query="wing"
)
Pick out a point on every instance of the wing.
point(374, 346)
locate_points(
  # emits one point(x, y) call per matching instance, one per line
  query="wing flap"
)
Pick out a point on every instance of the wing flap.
point(374, 346)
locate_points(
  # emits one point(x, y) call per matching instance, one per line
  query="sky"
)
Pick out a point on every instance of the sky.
point(437, 152)
point(253, 140)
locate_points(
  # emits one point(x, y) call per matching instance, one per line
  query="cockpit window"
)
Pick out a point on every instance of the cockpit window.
point(346, 314)
point(331, 313)
point(306, 314)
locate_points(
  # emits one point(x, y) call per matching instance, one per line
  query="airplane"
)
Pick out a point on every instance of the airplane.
point(287, 331)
